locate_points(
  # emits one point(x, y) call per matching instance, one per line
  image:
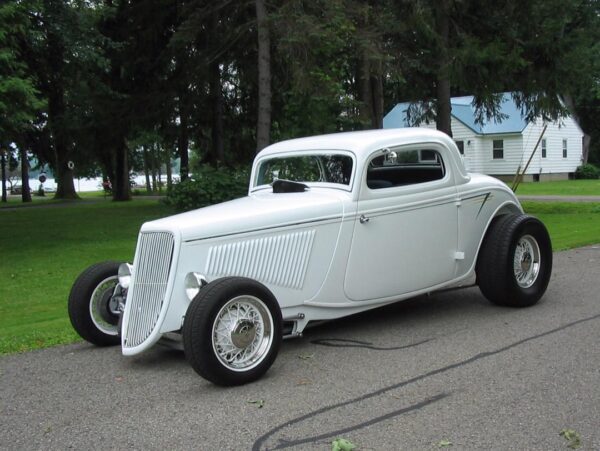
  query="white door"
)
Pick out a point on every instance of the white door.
point(405, 236)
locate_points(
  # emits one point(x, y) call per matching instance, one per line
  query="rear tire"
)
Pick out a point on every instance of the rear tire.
point(232, 331)
point(91, 311)
point(515, 261)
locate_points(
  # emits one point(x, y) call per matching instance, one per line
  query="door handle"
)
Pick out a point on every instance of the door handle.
point(364, 219)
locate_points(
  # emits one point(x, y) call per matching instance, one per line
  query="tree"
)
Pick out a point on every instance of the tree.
point(263, 124)
point(20, 101)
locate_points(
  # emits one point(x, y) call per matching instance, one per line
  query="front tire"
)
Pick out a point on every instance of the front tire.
point(515, 261)
point(92, 311)
point(232, 331)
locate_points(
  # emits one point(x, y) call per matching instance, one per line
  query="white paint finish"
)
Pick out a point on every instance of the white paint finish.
point(260, 210)
point(310, 248)
point(402, 250)
point(280, 259)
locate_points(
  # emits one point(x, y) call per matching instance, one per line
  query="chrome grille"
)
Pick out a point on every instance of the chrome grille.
point(147, 292)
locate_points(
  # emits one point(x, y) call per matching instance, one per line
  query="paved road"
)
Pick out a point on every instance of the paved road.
point(450, 367)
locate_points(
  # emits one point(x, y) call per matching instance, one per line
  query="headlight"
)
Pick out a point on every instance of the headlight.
point(125, 274)
point(193, 283)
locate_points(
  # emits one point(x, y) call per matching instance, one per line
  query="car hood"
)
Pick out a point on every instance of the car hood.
point(258, 211)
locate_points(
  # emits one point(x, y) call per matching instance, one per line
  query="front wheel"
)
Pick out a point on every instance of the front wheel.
point(93, 311)
point(515, 261)
point(232, 331)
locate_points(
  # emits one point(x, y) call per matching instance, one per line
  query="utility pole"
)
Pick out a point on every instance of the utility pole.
point(3, 153)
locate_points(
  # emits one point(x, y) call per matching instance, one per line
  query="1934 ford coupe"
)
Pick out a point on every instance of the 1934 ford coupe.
point(332, 225)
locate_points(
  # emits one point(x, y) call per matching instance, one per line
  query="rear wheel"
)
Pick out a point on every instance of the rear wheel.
point(232, 331)
point(93, 311)
point(515, 261)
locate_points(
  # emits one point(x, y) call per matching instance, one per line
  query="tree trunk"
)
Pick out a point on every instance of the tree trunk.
point(169, 171)
point(120, 187)
point(25, 192)
point(183, 141)
point(443, 106)
point(366, 97)
point(3, 164)
point(56, 113)
point(216, 99)
point(263, 123)
point(585, 144)
point(147, 169)
point(377, 98)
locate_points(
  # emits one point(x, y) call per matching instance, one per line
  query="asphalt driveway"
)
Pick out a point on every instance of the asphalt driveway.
point(447, 367)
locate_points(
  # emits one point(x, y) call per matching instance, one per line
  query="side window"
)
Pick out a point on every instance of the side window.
point(405, 167)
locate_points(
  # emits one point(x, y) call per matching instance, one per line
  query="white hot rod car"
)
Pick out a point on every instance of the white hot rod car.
point(332, 225)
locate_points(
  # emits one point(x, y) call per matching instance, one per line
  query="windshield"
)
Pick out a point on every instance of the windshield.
point(324, 168)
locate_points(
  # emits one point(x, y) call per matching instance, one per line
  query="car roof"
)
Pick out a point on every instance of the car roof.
point(361, 143)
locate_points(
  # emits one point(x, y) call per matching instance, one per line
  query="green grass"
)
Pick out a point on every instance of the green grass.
point(42, 250)
point(561, 188)
point(570, 224)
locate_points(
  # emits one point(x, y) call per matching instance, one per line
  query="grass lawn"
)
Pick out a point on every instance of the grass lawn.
point(570, 224)
point(561, 188)
point(42, 250)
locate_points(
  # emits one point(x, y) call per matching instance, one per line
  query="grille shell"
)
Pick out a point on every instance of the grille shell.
point(147, 292)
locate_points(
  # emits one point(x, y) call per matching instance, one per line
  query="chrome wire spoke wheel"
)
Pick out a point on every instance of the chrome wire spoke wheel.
point(242, 333)
point(526, 262)
point(104, 310)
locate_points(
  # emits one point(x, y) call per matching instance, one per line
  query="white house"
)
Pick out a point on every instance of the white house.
point(499, 148)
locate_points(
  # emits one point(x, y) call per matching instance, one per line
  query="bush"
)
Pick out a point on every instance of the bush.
point(587, 171)
point(209, 186)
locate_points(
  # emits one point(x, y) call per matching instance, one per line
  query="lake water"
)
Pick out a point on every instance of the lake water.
point(81, 185)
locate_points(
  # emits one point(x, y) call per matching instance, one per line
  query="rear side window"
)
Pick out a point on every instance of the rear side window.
point(405, 167)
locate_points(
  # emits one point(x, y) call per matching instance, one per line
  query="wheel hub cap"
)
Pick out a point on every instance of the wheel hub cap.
point(243, 334)
point(527, 260)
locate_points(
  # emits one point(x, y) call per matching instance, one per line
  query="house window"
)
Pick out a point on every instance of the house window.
point(564, 148)
point(498, 149)
point(543, 148)
point(461, 146)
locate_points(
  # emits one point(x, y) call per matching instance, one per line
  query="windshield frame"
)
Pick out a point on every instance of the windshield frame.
point(301, 153)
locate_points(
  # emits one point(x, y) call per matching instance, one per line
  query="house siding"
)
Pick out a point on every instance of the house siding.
point(554, 163)
point(478, 155)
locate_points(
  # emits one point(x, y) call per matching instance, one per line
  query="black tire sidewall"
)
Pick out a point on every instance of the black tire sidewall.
point(79, 303)
point(199, 321)
point(528, 296)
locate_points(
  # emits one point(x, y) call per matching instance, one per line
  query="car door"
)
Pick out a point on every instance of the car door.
point(405, 234)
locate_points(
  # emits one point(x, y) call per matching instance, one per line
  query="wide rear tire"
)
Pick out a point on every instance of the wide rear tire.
point(515, 261)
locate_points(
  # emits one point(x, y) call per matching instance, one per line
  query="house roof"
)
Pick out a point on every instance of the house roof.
point(464, 111)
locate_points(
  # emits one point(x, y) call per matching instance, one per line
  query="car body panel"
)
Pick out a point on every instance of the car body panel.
point(335, 249)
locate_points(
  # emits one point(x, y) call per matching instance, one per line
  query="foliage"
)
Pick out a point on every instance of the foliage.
point(341, 444)
point(572, 437)
point(92, 81)
point(19, 99)
point(210, 186)
point(587, 171)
